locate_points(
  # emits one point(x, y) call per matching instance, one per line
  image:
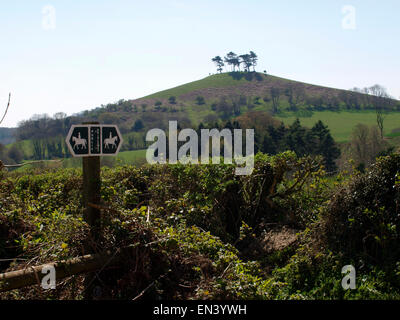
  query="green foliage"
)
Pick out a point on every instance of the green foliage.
point(200, 100)
point(190, 229)
point(362, 218)
point(138, 125)
point(172, 100)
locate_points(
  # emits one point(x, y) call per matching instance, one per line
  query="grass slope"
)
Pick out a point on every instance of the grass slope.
point(218, 85)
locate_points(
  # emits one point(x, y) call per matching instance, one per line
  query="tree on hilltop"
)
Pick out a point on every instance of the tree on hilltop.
point(253, 58)
point(246, 60)
point(232, 59)
point(219, 62)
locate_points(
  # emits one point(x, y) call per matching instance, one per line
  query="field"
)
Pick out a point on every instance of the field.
point(135, 157)
point(342, 123)
point(132, 157)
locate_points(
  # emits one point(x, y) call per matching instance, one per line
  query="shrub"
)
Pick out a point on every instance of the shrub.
point(200, 100)
point(172, 100)
point(363, 217)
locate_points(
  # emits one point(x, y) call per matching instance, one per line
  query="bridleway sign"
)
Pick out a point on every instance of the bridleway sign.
point(88, 140)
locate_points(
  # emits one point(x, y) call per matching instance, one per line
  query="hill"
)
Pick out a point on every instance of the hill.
point(226, 84)
point(227, 95)
point(216, 98)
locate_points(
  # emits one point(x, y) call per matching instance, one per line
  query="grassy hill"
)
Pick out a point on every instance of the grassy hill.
point(217, 85)
point(338, 117)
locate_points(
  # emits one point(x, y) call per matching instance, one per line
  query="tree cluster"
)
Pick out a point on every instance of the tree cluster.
point(272, 137)
point(248, 61)
point(301, 140)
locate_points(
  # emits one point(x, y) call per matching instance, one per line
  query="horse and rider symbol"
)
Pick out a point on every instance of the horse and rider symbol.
point(110, 142)
point(78, 141)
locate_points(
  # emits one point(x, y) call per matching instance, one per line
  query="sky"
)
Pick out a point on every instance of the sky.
point(70, 56)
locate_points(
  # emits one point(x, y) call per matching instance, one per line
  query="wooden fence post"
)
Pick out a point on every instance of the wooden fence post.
point(91, 194)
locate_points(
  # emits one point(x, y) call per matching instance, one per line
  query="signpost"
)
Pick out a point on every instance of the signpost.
point(94, 140)
point(90, 141)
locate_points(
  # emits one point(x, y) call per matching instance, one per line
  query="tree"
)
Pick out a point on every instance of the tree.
point(59, 115)
point(138, 125)
point(296, 95)
point(158, 104)
point(275, 96)
point(246, 60)
point(253, 58)
point(323, 144)
point(381, 100)
point(109, 118)
point(39, 149)
point(4, 156)
point(8, 105)
point(219, 62)
point(366, 144)
point(224, 108)
point(295, 138)
point(15, 153)
point(359, 143)
point(200, 100)
point(172, 100)
point(236, 63)
point(232, 59)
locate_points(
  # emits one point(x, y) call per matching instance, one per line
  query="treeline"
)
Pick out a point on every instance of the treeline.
point(42, 126)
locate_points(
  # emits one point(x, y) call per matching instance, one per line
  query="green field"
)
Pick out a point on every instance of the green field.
point(135, 157)
point(342, 123)
point(132, 157)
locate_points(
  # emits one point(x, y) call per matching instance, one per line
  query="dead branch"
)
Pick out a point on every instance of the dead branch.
point(8, 105)
point(83, 264)
point(148, 287)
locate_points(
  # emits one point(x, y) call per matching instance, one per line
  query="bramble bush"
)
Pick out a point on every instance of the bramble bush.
point(189, 229)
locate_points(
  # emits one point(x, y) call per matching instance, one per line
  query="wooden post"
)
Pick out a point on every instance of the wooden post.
point(91, 194)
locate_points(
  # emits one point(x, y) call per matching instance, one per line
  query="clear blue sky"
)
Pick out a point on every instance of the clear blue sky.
point(101, 51)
